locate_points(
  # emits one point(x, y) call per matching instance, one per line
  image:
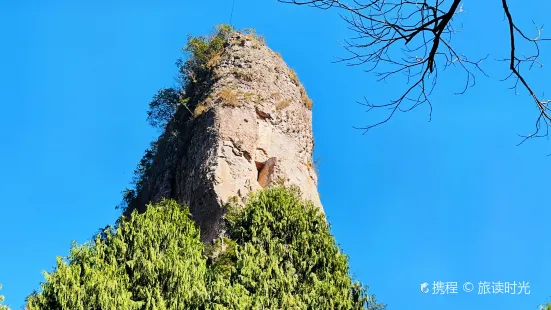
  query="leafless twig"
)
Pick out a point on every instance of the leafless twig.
point(515, 63)
point(413, 38)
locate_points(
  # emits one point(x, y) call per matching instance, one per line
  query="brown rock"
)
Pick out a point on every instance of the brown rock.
point(233, 149)
point(263, 115)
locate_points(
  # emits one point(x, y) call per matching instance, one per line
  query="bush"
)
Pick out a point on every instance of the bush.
point(150, 261)
point(228, 97)
point(203, 51)
point(278, 254)
point(162, 107)
point(3, 307)
point(283, 255)
point(200, 109)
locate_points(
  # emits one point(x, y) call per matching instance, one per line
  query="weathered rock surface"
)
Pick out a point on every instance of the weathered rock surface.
point(251, 129)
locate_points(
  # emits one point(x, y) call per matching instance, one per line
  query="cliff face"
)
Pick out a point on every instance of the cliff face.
point(250, 128)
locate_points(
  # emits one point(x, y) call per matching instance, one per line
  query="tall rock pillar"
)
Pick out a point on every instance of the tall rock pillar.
point(251, 127)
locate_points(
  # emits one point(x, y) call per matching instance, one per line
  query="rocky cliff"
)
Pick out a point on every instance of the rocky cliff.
point(244, 123)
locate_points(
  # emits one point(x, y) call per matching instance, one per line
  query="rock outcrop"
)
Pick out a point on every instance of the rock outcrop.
point(250, 128)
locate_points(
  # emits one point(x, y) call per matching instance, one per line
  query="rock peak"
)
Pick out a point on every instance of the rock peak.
point(246, 123)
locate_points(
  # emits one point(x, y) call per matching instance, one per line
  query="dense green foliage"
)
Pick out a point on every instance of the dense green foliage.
point(278, 254)
point(162, 107)
point(150, 261)
point(3, 307)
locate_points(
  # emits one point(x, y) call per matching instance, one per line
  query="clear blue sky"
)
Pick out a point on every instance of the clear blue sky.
point(412, 201)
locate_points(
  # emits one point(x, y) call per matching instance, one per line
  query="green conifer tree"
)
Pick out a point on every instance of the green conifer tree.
point(152, 260)
point(278, 253)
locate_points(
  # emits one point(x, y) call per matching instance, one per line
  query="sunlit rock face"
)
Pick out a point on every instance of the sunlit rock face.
point(250, 129)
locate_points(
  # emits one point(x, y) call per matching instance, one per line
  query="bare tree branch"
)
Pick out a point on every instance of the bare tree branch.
point(413, 39)
point(514, 65)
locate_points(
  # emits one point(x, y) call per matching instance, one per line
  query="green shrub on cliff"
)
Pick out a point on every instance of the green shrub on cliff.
point(162, 107)
point(278, 254)
point(203, 49)
point(202, 53)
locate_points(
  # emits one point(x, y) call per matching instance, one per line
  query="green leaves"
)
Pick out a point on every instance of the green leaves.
point(286, 257)
point(162, 107)
point(3, 307)
point(278, 254)
point(203, 53)
point(151, 261)
point(203, 49)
